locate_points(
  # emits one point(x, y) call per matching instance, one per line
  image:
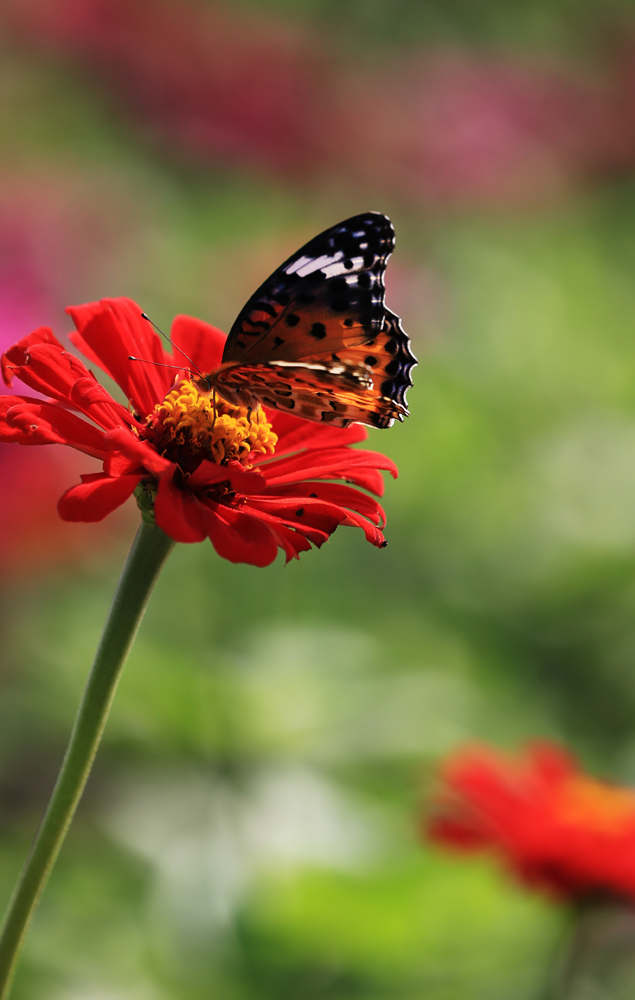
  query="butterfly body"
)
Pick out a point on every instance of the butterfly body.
point(316, 338)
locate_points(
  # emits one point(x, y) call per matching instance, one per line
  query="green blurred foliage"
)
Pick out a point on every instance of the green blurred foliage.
point(250, 829)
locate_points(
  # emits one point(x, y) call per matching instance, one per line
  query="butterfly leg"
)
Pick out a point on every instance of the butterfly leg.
point(214, 410)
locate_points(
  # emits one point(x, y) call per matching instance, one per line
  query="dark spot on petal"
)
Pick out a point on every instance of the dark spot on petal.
point(299, 512)
point(313, 496)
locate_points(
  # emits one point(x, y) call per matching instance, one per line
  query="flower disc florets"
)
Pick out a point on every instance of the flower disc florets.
point(189, 426)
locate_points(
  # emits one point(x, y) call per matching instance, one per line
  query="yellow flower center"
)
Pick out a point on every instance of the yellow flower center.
point(586, 802)
point(189, 426)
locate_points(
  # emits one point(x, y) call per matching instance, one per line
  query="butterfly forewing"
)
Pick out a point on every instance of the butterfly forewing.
point(316, 337)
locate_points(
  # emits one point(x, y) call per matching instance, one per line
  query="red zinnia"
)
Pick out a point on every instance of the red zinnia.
point(206, 474)
point(557, 828)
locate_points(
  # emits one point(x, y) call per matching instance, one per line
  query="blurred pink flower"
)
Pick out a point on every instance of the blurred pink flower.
point(258, 89)
point(210, 82)
point(31, 534)
point(497, 130)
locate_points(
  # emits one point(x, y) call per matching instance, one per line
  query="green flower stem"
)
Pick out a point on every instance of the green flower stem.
point(147, 555)
point(597, 955)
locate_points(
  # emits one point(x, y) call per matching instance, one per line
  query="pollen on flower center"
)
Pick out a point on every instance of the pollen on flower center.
point(187, 427)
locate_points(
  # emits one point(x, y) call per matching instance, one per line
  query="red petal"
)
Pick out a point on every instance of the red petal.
point(50, 423)
point(179, 513)
point(201, 343)
point(113, 329)
point(97, 403)
point(372, 534)
point(239, 478)
point(553, 763)
point(127, 452)
point(9, 433)
point(300, 511)
point(369, 479)
point(328, 463)
point(238, 537)
point(96, 497)
point(344, 496)
point(317, 530)
point(294, 433)
point(16, 355)
point(44, 365)
point(314, 518)
point(293, 542)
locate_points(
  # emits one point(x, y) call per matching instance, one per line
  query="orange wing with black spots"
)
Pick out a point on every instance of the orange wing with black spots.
point(316, 338)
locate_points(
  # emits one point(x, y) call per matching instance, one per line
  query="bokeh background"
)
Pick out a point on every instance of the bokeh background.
point(251, 826)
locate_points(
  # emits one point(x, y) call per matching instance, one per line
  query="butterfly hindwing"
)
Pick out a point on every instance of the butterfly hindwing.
point(316, 337)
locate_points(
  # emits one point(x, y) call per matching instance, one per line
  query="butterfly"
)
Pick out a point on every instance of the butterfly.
point(316, 338)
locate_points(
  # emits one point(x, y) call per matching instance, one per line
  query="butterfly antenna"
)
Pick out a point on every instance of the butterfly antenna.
point(159, 364)
point(174, 346)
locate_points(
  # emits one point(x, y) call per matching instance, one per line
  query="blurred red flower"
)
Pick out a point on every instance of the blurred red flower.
point(557, 828)
point(207, 473)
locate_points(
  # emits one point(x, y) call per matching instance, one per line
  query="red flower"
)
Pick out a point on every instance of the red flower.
point(205, 474)
point(557, 828)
